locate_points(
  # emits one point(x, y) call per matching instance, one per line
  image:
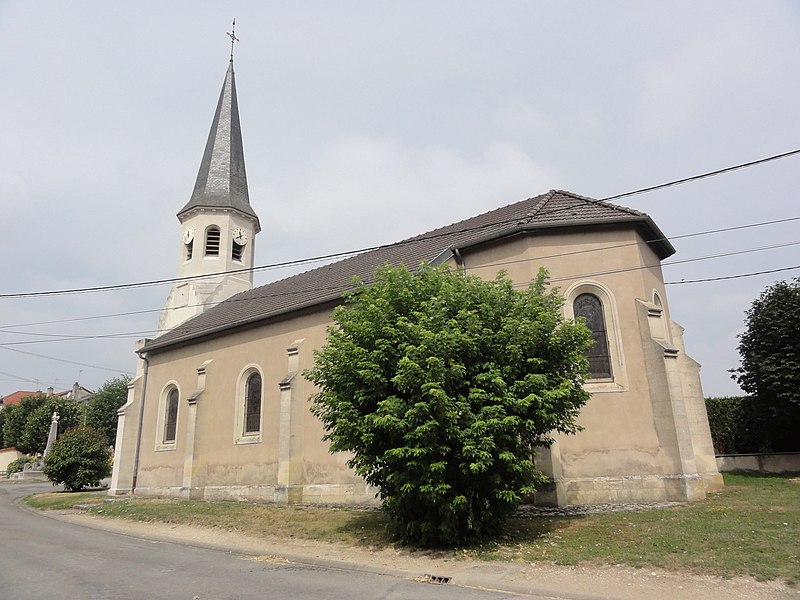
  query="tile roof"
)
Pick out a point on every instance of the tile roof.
point(327, 283)
point(14, 397)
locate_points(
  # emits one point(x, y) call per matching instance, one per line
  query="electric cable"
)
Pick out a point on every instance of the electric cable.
point(410, 240)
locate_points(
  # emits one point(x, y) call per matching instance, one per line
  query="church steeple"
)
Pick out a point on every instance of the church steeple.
point(219, 226)
point(222, 179)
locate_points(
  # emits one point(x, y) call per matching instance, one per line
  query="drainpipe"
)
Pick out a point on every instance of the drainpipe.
point(143, 358)
point(459, 259)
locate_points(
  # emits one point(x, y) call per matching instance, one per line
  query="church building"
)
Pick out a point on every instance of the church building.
point(219, 408)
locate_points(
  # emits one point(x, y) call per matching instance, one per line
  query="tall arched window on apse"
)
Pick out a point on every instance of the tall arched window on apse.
point(171, 416)
point(590, 308)
point(252, 404)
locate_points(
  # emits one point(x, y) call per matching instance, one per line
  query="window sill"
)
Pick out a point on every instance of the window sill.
point(248, 439)
point(166, 447)
point(600, 386)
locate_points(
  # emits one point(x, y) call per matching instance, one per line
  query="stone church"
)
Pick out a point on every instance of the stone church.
point(219, 407)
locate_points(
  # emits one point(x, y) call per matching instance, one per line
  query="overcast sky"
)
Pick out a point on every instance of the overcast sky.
point(367, 122)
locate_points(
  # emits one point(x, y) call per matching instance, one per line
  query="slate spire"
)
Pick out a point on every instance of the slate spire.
point(221, 180)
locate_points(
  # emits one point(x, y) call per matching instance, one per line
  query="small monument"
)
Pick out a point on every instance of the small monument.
point(51, 437)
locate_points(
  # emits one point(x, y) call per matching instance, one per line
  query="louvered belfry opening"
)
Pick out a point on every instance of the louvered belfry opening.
point(237, 251)
point(212, 241)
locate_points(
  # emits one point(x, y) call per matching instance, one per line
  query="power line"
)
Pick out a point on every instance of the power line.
point(739, 276)
point(372, 248)
point(90, 318)
point(54, 337)
point(667, 264)
point(703, 175)
point(503, 263)
point(136, 334)
point(18, 378)
point(64, 360)
point(637, 243)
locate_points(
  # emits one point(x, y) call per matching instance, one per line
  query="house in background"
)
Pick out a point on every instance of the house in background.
point(77, 392)
point(219, 407)
point(14, 397)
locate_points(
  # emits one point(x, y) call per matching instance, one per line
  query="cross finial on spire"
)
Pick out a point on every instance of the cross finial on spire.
point(232, 35)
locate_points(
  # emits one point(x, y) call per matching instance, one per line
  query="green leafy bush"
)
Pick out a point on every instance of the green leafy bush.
point(441, 385)
point(15, 466)
point(79, 459)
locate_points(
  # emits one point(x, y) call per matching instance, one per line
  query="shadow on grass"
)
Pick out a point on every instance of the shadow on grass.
point(369, 528)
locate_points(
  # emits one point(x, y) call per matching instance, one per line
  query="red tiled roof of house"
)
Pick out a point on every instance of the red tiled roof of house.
point(15, 397)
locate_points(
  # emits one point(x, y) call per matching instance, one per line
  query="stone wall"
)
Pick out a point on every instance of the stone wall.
point(785, 462)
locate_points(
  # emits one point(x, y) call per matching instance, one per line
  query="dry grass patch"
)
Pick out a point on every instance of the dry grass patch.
point(260, 520)
point(66, 500)
point(749, 528)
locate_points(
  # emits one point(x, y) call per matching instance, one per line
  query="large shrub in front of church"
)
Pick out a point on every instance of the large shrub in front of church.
point(440, 385)
point(79, 459)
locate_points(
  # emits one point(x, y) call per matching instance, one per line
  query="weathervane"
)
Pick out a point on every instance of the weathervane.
point(232, 35)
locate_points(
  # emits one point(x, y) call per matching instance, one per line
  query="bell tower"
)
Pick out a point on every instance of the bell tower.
point(218, 225)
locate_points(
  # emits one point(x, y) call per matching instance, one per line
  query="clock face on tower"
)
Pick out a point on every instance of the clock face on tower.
point(240, 236)
point(188, 235)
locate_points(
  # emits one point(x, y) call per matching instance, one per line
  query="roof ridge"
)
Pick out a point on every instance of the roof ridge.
point(535, 210)
point(544, 199)
point(472, 218)
point(618, 207)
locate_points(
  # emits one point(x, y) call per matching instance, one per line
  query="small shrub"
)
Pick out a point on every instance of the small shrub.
point(79, 459)
point(15, 466)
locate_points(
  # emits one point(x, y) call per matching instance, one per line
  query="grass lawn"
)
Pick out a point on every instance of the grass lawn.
point(751, 527)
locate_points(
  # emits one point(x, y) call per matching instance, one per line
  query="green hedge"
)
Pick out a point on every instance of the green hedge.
point(735, 425)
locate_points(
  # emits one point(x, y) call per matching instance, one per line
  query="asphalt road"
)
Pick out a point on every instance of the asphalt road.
point(44, 558)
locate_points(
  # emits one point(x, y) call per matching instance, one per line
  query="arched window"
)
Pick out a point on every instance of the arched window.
point(590, 308)
point(171, 416)
point(189, 249)
point(252, 404)
point(212, 241)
